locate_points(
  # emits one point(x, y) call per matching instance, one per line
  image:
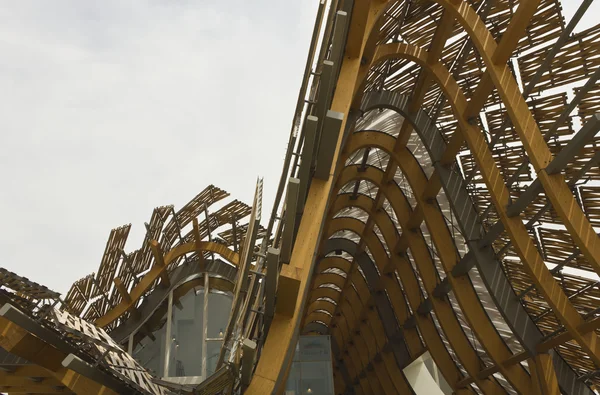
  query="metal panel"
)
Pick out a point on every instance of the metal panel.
point(339, 40)
point(271, 285)
point(310, 134)
point(249, 349)
point(329, 137)
point(324, 96)
point(291, 208)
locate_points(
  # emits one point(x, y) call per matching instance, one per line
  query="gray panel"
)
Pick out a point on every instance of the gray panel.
point(271, 285)
point(289, 228)
point(338, 42)
point(310, 133)
point(329, 137)
point(324, 97)
point(248, 357)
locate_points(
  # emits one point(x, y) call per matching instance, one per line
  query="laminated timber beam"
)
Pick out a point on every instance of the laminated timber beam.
point(543, 375)
point(531, 325)
point(444, 311)
point(126, 297)
point(43, 383)
point(377, 311)
point(45, 349)
point(388, 283)
point(538, 152)
point(159, 264)
point(489, 268)
point(271, 372)
point(474, 313)
point(410, 54)
point(566, 373)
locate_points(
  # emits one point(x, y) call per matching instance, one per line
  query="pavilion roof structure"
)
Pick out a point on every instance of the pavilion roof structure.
point(464, 214)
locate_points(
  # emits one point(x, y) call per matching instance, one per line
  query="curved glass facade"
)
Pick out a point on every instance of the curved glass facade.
point(185, 330)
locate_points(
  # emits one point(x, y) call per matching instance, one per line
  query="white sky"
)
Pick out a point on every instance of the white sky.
point(109, 109)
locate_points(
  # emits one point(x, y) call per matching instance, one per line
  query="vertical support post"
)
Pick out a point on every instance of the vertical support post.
point(339, 40)
point(323, 102)
point(205, 327)
point(208, 227)
point(234, 233)
point(271, 285)
point(130, 344)
point(168, 335)
point(328, 140)
point(248, 356)
point(308, 149)
point(291, 208)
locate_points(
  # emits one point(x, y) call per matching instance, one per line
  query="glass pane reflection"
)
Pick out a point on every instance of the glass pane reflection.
point(185, 356)
point(219, 308)
point(311, 371)
point(186, 353)
point(150, 351)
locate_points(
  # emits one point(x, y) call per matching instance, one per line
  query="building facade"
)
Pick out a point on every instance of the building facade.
point(435, 230)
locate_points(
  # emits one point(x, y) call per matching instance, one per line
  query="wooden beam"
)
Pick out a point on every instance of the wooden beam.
point(543, 374)
point(155, 272)
point(159, 262)
point(198, 241)
point(122, 290)
point(81, 384)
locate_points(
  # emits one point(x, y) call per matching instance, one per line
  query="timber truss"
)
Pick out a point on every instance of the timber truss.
point(440, 194)
point(460, 216)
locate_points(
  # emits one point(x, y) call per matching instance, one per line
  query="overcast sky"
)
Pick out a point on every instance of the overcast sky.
point(109, 109)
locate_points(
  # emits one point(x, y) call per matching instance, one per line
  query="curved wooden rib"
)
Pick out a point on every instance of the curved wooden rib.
point(506, 300)
point(433, 341)
point(359, 297)
point(529, 133)
point(368, 336)
point(443, 308)
point(157, 271)
point(390, 284)
point(463, 289)
point(522, 242)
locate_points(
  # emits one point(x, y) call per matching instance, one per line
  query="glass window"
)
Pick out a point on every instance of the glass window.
point(150, 351)
point(186, 329)
point(219, 309)
point(185, 355)
point(213, 349)
point(311, 371)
